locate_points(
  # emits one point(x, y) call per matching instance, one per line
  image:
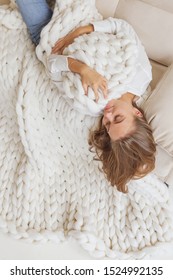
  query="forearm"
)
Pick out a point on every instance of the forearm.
point(65, 41)
point(76, 66)
point(83, 30)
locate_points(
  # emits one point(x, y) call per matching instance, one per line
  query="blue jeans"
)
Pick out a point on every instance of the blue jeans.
point(36, 14)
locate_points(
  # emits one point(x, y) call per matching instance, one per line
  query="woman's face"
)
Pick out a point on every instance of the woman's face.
point(118, 118)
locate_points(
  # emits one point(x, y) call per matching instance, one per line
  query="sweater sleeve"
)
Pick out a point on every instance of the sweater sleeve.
point(55, 65)
point(114, 25)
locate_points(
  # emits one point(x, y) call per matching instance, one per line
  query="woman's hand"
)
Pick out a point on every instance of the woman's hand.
point(62, 43)
point(91, 78)
point(65, 41)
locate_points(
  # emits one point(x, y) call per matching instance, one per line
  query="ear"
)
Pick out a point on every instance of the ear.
point(138, 113)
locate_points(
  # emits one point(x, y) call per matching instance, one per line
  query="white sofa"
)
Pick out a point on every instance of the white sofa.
point(153, 21)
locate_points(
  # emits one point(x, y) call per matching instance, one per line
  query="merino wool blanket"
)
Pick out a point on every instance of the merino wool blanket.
point(50, 186)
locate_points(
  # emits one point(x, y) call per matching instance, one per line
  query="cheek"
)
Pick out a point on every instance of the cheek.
point(130, 125)
point(127, 111)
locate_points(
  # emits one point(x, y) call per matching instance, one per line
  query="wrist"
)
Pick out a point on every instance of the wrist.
point(85, 29)
point(84, 69)
point(77, 66)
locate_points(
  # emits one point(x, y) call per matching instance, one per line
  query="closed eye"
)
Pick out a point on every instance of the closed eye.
point(117, 119)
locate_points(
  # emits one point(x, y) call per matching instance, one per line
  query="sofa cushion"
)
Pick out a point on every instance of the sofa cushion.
point(164, 166)
point(158, 71)
point(158, 109)
point(153, 26)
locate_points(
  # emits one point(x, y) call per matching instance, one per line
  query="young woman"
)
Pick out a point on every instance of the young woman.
point(123, 140)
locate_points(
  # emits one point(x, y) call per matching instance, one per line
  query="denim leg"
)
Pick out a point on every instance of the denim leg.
point(36, 14)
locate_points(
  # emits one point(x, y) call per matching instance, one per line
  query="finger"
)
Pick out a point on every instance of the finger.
point(59, 44)
point(54, 50)
point(96, 94)
point(105, 83)
point(59, 51)
point(104, 90)
point(57, 48)
point(85, 87)
point(105, 80)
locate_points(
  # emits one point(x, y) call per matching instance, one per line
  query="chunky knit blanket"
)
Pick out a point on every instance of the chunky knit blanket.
point(50, 186)
point(113, 56)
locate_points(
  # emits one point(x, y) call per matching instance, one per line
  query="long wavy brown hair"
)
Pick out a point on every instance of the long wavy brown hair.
point(127, 158)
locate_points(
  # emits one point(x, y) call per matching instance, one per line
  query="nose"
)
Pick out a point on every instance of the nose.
point(109, 116)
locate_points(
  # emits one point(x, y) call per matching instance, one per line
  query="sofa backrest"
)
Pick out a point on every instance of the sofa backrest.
point(151, 19)
point(107, 7)
point(152, 24)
